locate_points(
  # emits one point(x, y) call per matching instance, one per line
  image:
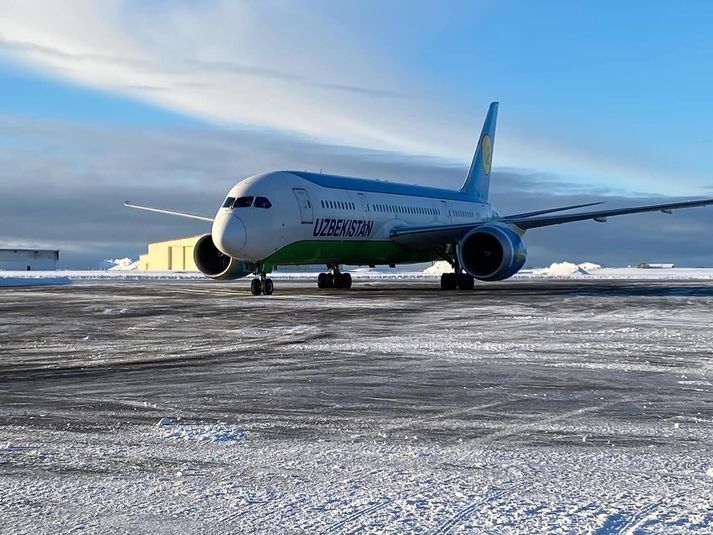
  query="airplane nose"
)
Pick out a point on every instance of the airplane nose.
point(229, 234)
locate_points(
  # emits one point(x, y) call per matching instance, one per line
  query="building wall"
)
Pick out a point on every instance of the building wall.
point(170, 255)
point(21, 259)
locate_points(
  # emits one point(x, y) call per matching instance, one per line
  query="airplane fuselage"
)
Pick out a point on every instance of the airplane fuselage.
point(294, 218)
point(297, 218)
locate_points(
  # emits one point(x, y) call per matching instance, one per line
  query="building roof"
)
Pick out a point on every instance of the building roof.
point(23, 250)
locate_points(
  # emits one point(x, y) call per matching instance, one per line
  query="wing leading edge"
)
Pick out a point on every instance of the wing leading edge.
point(601, 215)
point(445, 233)
point(169, 212)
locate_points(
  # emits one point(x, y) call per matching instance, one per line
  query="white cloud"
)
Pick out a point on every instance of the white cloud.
point(229, 62)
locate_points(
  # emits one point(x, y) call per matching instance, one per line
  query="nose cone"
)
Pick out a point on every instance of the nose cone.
point(229, 234)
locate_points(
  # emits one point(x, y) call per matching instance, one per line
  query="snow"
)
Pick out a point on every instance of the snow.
point(565, 269)
point(195, 407)
point(438, 268)
point(126, 269)
point(119, 264)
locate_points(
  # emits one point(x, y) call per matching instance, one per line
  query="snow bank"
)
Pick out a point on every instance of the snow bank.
point(558, 269)
point(589, 266)
point(566, 269)
point(118, 264)
point(105, 274)
point(438, 267)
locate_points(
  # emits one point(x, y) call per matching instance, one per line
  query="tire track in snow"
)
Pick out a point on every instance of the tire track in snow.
point(460, 515)
point(618, 523)
point(358, 514)
point(518, 429)
point(403, 426)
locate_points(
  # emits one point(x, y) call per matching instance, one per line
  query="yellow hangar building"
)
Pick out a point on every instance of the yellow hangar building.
point(170, 255)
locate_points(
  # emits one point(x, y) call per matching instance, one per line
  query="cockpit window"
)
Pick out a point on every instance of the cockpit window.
point(228, 202)
point(262, 202)
point(243, 202)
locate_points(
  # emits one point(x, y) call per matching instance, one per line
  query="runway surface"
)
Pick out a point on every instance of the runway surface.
point(519, 407)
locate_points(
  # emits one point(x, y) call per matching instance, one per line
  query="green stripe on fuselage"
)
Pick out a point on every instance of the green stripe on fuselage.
point(354, 252)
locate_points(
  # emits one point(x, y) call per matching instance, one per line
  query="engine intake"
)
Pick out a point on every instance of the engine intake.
point(492, 252)
point(217, 265)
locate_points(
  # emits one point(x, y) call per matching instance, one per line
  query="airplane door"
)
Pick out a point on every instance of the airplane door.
point(445, 211)
point(305, 205)
point(364, 206)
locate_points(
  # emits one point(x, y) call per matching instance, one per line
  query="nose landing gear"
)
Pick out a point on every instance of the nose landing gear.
point(263, 285)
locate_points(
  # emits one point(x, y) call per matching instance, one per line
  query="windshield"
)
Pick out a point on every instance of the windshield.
point(243, 202)
point(262, 202)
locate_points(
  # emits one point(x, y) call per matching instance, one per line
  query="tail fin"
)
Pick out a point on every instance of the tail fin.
point(477, 183)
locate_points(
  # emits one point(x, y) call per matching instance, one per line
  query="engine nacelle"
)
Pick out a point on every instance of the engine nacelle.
point(492, 252)
point(217, 265)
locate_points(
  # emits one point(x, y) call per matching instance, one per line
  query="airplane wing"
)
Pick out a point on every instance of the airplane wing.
point(602, 215)
point(560, 209)
point(419, 236)
point(169, 212)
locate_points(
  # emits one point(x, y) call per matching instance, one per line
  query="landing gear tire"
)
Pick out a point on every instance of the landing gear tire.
point(324, 280)
point(449, 281)
point(327, 280)
point(465, 281)
point(343, 281)
point(256, 287)
point(268, 287)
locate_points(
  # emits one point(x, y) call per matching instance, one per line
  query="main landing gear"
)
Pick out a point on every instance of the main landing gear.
point(261, 285)
point(335, 279)
point(459, 279)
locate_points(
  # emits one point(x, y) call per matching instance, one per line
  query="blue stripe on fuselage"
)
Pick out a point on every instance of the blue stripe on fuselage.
point(378, 186)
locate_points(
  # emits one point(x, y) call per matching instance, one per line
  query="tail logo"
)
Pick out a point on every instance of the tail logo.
point(486, 148)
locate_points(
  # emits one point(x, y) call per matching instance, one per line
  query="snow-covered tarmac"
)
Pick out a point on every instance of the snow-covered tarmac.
point(529, 406)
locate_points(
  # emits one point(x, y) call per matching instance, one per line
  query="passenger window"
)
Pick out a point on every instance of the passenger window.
point(262, 202)
point(243, 202)
point(228, 202)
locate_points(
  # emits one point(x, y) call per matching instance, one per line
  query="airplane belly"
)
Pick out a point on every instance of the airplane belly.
point(354, 252)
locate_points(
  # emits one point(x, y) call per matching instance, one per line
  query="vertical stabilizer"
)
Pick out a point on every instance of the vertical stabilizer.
point(477, 183)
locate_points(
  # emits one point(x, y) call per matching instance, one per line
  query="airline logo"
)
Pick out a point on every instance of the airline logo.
point(487, 153)
point(343, 228)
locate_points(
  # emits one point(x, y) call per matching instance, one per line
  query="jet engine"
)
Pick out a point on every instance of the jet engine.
point(491, 252)
point(217, 265)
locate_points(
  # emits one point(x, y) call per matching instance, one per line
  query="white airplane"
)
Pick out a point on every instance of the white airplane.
point(298, 218)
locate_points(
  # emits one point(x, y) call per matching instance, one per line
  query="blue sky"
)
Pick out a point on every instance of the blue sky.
point(34, 94)
point(173, 102)
point(608, 94)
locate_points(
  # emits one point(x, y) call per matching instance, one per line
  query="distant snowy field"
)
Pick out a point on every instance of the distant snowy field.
point(125, 269)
